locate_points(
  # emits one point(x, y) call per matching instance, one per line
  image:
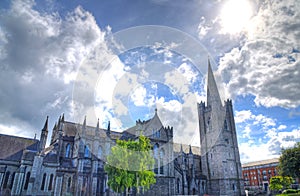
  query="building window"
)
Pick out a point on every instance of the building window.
point(43, 182)
point(178, 185)
point(27, 181)
point(155, 166)
point(12, 180)
point(233, 187)
point(68, 150)
point(225, 125)
point(155, 150)
point(6, 179)
point(158, 134)
point(264, 172)
point(86, 151)
point(99, 152)
point(162, 155)
point(265, 178)
point(50, 182)
point(69, 184)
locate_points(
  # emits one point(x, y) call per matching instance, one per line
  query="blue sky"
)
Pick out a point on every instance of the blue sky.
point(103, 60)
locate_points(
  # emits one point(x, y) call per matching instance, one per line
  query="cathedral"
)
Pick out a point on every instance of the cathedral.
point(73, 163)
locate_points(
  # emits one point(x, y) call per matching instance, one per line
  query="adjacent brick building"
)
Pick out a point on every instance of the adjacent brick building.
point(257, 174)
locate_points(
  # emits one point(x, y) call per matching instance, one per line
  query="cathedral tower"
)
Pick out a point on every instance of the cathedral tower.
point(220, 158)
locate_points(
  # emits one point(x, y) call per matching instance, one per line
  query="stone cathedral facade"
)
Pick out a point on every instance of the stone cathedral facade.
point(73, 163)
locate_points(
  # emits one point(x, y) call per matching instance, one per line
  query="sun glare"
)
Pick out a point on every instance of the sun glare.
point(234, 15)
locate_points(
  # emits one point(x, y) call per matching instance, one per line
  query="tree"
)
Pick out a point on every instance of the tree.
point(275, 183)
point(279, 182)
point(289, 161)
point(130, 165)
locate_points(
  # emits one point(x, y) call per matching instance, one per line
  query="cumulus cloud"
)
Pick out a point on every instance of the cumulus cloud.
point(266, 63)
point(272, 137)
point(40, 53)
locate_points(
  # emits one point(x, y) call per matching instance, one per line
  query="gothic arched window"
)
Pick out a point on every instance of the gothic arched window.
point(27, 181)
point(6, 179)
point(155, 150)
point(178, 185)
point(69, 184)
point(86, 151)
point(12, 180)
point(99, 152)
point(155, 166)
point(68, 150)
point(50, 182)
point(161, 156)
point(43, 182)
point(225, 125)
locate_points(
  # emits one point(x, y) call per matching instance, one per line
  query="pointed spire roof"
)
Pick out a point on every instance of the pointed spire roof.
point(97, 128)
point(55, 126)
point(84, 122)
point(190, 150)
point(156, 121)
point(63, 117)
point(212, 89)
point(181, 149)
point(46, 125)
point(108, 126)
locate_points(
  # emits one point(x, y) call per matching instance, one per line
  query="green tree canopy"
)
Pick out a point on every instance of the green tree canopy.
point(289, 162)
point(130, 165)
point(278, 182)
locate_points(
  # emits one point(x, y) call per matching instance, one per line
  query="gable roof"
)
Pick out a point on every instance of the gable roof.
point(12, 146)
point(146, 126)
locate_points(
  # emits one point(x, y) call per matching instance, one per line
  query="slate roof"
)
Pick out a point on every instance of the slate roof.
point(186, 148)
point(12, 147)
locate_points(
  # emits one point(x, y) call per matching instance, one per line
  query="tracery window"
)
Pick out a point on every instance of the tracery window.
point(162, 155)
point(6, 179)
point(50, 182)
point(68, 150)
point(86, 151)
point(27, 181)
point(99, 152)
point(43, 182)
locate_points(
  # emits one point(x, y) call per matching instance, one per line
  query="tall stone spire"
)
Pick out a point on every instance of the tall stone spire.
point(44, 135)
point(213, 97)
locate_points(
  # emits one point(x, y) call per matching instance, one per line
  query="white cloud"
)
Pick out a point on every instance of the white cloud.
point(40, 53)
point(172, 105)
point(271, 137)
point(266, 64)
point(242, 116)
point(282, 127)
